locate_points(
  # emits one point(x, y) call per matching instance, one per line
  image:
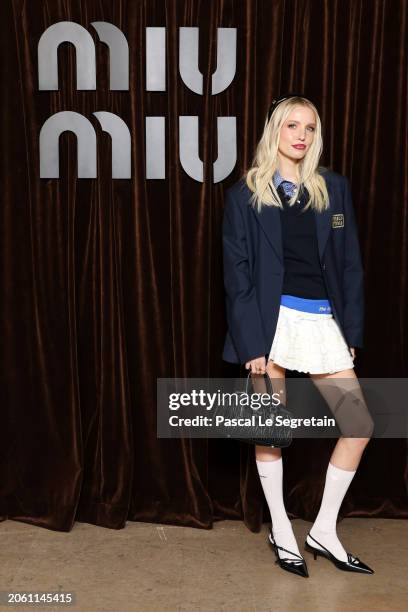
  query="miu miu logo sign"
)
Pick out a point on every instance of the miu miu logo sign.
point(188, 126)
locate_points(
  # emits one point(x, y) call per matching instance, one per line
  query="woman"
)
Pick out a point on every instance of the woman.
point(294, 300)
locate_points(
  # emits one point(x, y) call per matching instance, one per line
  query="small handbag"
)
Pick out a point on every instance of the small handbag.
point(278, 436)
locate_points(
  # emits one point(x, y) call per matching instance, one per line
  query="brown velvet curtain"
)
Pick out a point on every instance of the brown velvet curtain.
point(108, 284)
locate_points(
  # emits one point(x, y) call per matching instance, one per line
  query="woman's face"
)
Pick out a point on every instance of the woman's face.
point(298, 129)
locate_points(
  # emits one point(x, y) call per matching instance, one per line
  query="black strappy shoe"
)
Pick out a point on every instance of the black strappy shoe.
point(291, 565)
point(353, 564)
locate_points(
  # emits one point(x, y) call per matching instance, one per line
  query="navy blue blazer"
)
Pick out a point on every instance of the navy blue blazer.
point(254, 268)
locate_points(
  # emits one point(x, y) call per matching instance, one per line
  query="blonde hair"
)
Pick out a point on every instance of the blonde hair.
point(265, 162)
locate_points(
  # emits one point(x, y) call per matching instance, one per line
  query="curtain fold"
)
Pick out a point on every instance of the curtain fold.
point(107, 285)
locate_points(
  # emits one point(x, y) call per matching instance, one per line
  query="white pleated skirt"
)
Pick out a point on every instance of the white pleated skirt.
point(309, 342)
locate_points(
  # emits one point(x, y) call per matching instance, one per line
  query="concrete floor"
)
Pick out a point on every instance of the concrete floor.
point(149, 568)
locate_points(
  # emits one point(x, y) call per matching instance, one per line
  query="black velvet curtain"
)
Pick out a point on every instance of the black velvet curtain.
point(108, 284)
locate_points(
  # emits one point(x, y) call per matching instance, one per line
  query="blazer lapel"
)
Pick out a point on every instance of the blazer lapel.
point(323, 224)
point(269, 220)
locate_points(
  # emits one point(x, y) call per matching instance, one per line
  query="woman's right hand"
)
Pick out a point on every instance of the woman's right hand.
point(258, 365)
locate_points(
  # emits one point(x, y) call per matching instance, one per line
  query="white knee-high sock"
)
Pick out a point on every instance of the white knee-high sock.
point(271, 476)
point(324, 527)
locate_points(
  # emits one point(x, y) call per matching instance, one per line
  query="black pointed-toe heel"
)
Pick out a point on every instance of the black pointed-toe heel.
point(290, 565)
point(353, 564)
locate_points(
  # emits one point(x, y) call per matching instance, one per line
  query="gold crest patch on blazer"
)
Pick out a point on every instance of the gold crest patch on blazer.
point(338, 220)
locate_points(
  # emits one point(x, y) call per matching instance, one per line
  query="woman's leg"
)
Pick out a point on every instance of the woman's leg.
point(344, 397)
point(270, 470)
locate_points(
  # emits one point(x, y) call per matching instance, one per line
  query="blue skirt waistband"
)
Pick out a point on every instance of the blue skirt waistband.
point(305, 304)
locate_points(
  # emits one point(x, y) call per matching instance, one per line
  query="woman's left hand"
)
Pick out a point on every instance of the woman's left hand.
point(353, 352)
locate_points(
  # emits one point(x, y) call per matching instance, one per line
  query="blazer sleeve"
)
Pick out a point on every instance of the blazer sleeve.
point(243, 314)
point(353, 276)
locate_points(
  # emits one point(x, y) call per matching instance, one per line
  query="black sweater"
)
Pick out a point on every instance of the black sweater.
point(303, 274)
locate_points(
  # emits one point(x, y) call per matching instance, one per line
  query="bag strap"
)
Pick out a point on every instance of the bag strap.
point(266, 378)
